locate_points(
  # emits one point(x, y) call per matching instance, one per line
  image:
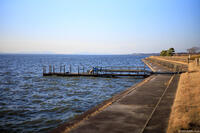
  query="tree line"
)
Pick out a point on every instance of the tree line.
point(193, 50)
point(171, 51)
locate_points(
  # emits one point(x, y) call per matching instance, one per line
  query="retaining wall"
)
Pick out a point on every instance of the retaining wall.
point(174, 67)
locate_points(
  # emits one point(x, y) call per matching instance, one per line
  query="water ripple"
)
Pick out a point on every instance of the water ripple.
point(32, 103)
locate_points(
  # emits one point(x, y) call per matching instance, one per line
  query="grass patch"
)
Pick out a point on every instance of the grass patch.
point(185, 112)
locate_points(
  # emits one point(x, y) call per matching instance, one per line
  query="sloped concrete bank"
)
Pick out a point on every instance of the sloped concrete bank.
point(167, 64)
point(144, 107)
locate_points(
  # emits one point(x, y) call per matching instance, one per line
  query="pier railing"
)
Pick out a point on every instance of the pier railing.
point(68, 70)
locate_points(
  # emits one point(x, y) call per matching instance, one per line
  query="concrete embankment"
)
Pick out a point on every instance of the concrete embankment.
point(144, 107)
point(169, 65)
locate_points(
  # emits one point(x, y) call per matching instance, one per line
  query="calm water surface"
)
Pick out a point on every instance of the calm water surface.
point(30, 102)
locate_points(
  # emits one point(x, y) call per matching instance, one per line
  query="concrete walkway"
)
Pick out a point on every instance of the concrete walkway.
point(146, 108)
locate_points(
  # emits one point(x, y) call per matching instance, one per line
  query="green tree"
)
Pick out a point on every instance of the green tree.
point(163, 53)
point(169, 52)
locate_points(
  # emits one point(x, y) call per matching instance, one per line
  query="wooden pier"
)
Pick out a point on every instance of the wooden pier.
point(109, 71)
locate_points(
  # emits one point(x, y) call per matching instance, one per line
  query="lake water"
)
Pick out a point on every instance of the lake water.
point(30, 102)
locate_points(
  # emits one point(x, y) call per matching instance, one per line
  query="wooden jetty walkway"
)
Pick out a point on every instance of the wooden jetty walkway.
point(108, 71)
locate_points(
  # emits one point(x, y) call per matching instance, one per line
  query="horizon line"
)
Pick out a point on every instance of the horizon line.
point(73, 53)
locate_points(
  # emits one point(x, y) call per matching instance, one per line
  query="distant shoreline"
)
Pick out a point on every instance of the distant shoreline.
point(147, 54)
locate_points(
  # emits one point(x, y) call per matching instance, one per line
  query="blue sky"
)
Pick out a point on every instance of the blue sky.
point(98, 26)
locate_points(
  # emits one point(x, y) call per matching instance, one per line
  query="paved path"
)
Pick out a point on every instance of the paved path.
point(169, 60)
point(145, 108)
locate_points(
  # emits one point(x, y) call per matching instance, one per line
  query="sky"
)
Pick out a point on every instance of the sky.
point(98, 26)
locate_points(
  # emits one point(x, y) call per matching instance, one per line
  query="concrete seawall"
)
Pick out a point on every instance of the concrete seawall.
point(144, 107)
point(167, 64)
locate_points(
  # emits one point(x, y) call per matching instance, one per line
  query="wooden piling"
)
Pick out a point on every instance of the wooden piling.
point(70, 68)
point(49, 68)
point(197, 61)
point(78, 69)
point(64, 68)
point(60, 68)
point(188, 60)
point(53, 69)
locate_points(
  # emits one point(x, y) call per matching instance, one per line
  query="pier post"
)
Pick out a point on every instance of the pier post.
point(49, 68)
point(60, 68)
point(83, 69)
point(53, 69)
point(78, 69)
point(97, 70)
point(64, 68)
point(197, 61)
point(70, 68)
point(188, 60)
